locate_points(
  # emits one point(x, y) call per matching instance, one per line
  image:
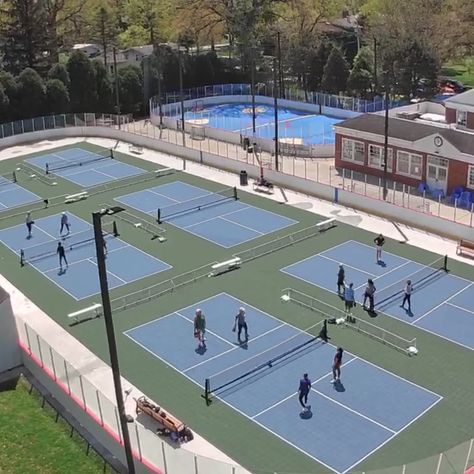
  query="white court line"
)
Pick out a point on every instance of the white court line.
point(387, 273)
point(213, 218)
point(345, 264)
point(441, 304)
point(460, 307)
point(236, 347)
point(210, 332)
point(159, 194)
point(296, 393)
point(354, 411)
point(108, 271)
point(282, 121)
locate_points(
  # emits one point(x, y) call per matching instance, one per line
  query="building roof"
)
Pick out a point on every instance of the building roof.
point(144, 50)
point(409, 130)
point(465, 98)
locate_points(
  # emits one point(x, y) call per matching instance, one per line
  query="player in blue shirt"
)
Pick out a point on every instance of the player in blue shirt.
point(303, 390)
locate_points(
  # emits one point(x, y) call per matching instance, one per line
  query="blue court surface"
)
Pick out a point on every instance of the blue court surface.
point(351, 419)
point(226, 223)
point(84, 167)
point(442, 303)
point(310, 128)
point(125, 263)
point(12, 195)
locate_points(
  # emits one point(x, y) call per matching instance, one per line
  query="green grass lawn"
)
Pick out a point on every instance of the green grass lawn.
point(31, 440)
point(460, 72)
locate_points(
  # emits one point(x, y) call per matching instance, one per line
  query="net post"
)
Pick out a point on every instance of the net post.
point(47, 168)
point(22, 258)
point(115, 229)
point(112, 153)
point(235, 193)
point(158, 217)
point(14, 177)
point(207, 392)
point(445, 263)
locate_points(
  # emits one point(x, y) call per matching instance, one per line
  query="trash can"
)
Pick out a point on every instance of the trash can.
point(244, 180)
point(246, 143)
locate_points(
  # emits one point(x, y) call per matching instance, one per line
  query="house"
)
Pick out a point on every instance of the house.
point(128, 57)
point(91, 50)
point(428, 143)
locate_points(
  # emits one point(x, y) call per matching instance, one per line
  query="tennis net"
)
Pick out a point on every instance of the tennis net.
point(357, 324)
point(83, 160)
point(70, 242)
point(196, 204)
point(7, 179)
point(420, 278)
point(279, 354)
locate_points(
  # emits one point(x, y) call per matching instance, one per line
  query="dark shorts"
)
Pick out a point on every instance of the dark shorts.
point(350, 304)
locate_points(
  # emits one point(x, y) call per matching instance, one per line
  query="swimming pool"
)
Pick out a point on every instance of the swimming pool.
point(295, 126)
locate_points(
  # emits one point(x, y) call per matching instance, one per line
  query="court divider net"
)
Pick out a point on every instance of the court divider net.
point(339, 316)
point(419, 279)
point(293, 347)
point(196, 204)
point(70, 242)
point(8, 178)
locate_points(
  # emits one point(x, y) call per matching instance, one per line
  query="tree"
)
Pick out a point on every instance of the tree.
point(10, 86)
point(336, 72)
point(83, 88)
point(57, 97)
point(4, 104)
point(24, 35)
point(104, 28)
point(30, 94)
point(130, 89)
point(134, 35)
point(59, 71)
point(105, 91)
point(316, 65)
point(360, 78)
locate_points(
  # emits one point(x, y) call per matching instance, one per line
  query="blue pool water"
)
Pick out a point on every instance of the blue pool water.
point(295, 126)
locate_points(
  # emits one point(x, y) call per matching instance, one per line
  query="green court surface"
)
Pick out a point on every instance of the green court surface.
point(441, 367)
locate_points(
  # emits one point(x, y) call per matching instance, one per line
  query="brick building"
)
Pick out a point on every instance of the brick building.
point(427, 143)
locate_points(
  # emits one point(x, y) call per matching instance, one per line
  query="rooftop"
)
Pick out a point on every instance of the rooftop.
point(465, 98)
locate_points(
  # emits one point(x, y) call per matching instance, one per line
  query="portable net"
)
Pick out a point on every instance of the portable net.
point(278, 354)
point(83, 160)
point(7, 179)
point(70, 242)
point(196, 204)
point(365, 327)
point(419, 278)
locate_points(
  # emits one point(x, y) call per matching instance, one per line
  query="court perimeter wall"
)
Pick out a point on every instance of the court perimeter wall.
point(410, 217)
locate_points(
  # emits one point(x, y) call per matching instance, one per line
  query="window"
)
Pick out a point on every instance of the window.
point(376, 155)
point(409, 164)
point(461, 118)
point(470, 176)
point(353, 151)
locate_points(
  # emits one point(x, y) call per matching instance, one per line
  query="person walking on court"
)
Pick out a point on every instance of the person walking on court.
point(64, 224)
point(369, 294)
point(29, 223)
point(379, 242)
point(200, 328)
point(62, 255)
point(336, 365)
point(303, 392)
point(241, 323)
point(341, 274)
point(349, 300)
point(407, 295)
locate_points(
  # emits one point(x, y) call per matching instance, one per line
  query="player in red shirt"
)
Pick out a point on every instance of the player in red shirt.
point(336, 365)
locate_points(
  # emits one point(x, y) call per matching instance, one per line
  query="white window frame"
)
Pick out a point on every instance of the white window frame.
point(348, 143)
point(461, 118)
point(470, 176)
point(380, 154)
point(410, 158)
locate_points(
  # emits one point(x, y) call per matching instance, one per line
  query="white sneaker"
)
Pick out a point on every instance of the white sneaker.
point(333, 381)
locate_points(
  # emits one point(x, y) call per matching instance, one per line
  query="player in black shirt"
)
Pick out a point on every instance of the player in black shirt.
point(379, 241)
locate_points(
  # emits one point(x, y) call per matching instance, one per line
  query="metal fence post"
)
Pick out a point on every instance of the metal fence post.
point(67, 377)
point(164, 457)
point(82, 392)
point(28, 338)
point(40, 351)
point(53, 364)
point(455, 208)
point(472, 212)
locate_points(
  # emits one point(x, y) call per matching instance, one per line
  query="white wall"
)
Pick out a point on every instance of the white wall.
point(10, 355)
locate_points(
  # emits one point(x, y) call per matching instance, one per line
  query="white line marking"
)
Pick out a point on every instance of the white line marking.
point(460, 307)
point(108, 271)
point(387, 273)
point(236, 347)
point(345, 264)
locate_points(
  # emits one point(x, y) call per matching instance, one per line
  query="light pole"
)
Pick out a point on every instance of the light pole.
point(109, 326)
point(385, 145)
point(275, 105)
point(181, 99)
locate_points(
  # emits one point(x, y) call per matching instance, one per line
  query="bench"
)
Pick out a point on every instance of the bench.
point(159, 415)
point(465, 247)
point(227, 266)
point(76, 197)
point(164, 171)
point(263, 188)
point(327, 224)
point(138, 150)
point(91, 311)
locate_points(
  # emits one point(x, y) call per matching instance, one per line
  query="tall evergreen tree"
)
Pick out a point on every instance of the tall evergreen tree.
point(130, 89)
point(59, 71)
point(31, 98)
point(336, 72)
point(10, 85)
point(24, 35)
point(83, 87)
point(360, 78)
point(4, 105)
point(57, 97)
point(317, 63)
point(105, 90)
